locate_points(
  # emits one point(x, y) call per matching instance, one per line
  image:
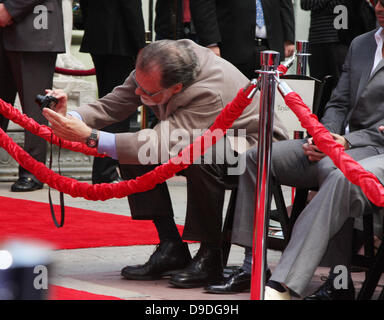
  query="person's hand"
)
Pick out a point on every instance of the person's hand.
point(289, 48)
point(340, 140)
point(312, 151)
point(381, 129)
point(5, 17)
point(59, 94)
point(67, 128)
point(216, 50)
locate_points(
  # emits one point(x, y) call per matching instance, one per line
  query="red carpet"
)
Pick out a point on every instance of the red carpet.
point(82, 228)
point(61, 293)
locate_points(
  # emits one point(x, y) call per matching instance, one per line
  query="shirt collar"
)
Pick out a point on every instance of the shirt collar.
point(379, 36)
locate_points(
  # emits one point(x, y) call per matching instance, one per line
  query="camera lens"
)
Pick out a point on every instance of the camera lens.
point(40, 99)
point(46, 101)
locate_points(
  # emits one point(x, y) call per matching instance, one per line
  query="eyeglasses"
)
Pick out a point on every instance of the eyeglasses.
point(142, 89)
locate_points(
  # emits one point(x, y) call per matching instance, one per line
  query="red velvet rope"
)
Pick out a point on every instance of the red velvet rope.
point(11, 113)
point(143, 183)
point(283, 69)
point(352, 170)
point(70, 72)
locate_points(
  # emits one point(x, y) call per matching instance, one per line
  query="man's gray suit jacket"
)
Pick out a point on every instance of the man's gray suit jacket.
point(358, 100)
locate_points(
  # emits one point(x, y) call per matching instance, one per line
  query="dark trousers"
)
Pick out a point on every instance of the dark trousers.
point(29, 74)
point(248, 69)
point(111, 71)
point(326, 59)
point(206, 185)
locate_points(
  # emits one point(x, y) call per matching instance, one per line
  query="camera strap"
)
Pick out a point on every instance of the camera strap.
point(62, 207)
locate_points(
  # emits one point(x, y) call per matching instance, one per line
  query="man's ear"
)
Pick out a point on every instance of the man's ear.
point(177, 88)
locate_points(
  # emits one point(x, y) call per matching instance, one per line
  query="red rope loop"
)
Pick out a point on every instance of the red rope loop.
point(352, 170)
point(283, 69)
point(143, 183)
point(11, 113)
point(72, 72)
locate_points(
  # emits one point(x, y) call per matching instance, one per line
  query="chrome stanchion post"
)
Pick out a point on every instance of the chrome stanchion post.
point(269, 63)
point(302, 48)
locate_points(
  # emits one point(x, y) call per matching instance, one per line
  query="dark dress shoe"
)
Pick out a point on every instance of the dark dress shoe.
point(24, 184)
point(328, 292)
point(205, 268)
point(168, 257)
point(238, 281)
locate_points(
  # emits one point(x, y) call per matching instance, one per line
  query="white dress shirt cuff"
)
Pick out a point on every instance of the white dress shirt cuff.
point(107, 140)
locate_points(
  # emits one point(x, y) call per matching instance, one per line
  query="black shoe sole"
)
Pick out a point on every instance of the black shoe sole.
point(165, 274)
point(186, 285)
point(213, 291)
point(192, 285)
point(20, 189)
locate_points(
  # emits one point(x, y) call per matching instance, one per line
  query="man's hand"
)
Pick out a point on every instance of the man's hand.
point(313, 152)
point(68, 128)
point(381, 129)
point(5, 17)
point(289, 48)
point(340, 140)
point(61, 106)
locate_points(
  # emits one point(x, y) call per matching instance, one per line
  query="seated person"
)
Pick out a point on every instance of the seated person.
point(186, 86)
point(356, 103)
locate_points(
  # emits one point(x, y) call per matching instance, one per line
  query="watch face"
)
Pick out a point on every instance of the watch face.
point(92, 139)
point(92, 143)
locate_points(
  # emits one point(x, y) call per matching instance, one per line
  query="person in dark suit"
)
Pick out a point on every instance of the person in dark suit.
point(328, 46)
point(246, 28)
point(31, 36)
point(113, 35)
point(184, 19)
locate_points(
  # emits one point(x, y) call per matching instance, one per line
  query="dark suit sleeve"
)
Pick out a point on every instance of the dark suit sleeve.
point(20, 8)
point(367, 137)
point(288, 20)
point(83, 8)
point(338, 107)
point(319, 4)
point(204, 18)
point(134, 22)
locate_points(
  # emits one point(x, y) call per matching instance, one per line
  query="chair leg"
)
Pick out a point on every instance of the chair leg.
point(373, 276)
point(227, 227)
point(381, 297)
point(298, 204)
point(281, 208)
point(369, 247)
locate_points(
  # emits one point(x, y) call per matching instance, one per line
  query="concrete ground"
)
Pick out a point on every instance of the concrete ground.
point(97, 270)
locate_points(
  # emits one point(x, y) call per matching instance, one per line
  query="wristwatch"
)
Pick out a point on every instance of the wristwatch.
point(92, 140)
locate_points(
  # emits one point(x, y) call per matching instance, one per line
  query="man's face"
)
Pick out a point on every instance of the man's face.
point(150, 90)
point(379, 9)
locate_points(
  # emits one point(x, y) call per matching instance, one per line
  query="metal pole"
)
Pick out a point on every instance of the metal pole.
point(302, 48)
point(149, 33)
point(269, 63)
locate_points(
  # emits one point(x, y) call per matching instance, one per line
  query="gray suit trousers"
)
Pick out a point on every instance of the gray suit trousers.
point(336, 201)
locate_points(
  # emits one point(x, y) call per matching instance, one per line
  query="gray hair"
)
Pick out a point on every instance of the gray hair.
point(175, 59)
